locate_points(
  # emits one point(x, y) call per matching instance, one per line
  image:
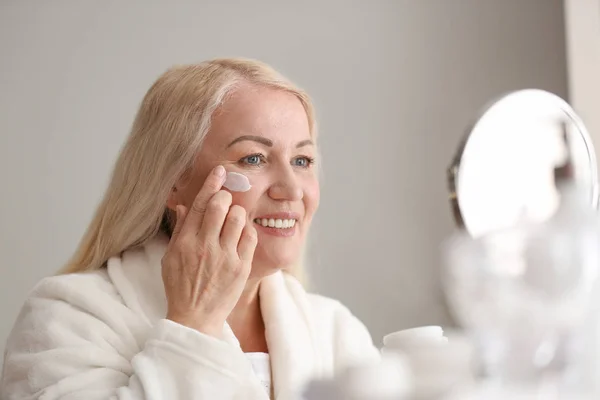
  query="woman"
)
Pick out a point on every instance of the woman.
point(180, 288)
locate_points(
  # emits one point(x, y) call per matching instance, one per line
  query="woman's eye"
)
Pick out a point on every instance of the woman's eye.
point(303, 162)
point(253, 159)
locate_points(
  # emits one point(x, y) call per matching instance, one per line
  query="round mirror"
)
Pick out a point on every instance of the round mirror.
point(503, 172)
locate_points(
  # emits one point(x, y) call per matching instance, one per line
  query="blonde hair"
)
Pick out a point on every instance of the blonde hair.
point(168, 131)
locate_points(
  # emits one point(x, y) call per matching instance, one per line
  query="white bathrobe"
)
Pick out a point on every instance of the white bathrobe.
point(103, 335)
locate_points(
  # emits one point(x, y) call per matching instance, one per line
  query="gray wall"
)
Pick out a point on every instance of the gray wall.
point(582, 21)
point(395, 83)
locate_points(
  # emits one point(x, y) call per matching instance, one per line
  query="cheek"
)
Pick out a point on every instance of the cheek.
point(247, 200)
point(312, 196)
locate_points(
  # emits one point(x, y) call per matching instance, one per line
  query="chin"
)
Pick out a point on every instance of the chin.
point(262, 272)
point(272, 260)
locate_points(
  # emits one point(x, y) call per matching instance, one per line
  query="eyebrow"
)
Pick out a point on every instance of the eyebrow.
point(265, 141)
point(303, 143)
point(252, 138)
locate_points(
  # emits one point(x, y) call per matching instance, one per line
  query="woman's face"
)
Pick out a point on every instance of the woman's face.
point(264, 134)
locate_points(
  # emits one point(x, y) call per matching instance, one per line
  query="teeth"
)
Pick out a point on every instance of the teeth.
point(276, 223)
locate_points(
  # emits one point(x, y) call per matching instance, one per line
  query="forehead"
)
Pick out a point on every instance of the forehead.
point(261, 111)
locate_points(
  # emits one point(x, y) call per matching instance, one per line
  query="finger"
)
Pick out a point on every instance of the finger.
point(216, 212)
point(180, 212)
point(232, 228)
point(212, 185)
point(247, 244)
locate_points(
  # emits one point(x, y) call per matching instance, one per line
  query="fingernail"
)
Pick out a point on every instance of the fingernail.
point(219, 171)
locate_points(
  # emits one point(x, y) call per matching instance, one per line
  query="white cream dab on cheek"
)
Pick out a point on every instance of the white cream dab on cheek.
point(237, 182)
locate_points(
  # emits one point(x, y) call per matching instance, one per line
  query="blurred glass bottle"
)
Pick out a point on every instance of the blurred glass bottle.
point(389, 378)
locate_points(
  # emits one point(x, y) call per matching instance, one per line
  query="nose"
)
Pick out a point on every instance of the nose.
point(286, 186)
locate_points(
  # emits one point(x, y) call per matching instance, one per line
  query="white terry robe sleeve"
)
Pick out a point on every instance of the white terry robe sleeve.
point(74, 339)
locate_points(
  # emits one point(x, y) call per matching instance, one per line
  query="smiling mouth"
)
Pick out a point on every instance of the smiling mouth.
point(275, 223)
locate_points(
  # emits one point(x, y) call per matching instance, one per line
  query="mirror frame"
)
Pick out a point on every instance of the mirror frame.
point(453, 171)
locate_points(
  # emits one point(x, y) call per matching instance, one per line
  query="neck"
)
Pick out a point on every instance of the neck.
point(246, 320)
point(248, 304)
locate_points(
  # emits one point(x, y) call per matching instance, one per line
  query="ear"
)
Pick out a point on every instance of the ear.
point(174, 198)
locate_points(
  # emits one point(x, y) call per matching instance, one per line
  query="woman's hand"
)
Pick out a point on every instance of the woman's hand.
point(208, 259)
